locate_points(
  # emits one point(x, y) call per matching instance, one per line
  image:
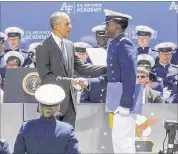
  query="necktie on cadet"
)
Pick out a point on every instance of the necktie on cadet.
point(64, 54)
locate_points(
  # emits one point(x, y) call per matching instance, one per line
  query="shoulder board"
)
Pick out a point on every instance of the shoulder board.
point(125, 38)
point(6, 50)
point(152, 49)
point(24, 51)
point(175, 66)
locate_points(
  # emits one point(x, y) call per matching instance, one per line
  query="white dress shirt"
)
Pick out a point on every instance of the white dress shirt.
point(58, 42)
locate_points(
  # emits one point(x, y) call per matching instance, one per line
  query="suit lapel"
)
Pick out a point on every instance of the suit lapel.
point(58, 52)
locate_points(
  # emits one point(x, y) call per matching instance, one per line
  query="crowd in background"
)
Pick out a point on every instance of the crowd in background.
point(159, 75)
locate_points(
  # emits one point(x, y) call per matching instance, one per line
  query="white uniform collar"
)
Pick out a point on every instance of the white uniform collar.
point(164, 65)
point(18, 48)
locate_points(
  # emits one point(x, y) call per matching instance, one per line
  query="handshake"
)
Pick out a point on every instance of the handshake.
point(80, 83)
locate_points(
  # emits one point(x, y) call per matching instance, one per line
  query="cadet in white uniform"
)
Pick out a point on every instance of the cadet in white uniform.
point(14, 39)
point(144, 36)
point(14, 59)
point(101, 37)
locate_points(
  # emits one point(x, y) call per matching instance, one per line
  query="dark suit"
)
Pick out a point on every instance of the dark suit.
point(51, 68)
point(153, 96)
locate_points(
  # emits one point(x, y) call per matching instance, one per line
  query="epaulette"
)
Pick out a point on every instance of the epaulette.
point(175, 66)
point(125, 38)
point(5, 51)
point(24, 51)
point(152, 49)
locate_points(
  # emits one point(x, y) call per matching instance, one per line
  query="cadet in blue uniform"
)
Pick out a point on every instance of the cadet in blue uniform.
point(95, 95)
point(3, 37)
point(144, 36)
point(101, 37)
point(47, 134)
point(121, 68)
point(163, 68)
point(14, 37)
point(30, 62)
point(13, 59)
point(4, 147)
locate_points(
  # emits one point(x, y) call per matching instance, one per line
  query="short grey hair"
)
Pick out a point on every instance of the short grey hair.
point(56, 17)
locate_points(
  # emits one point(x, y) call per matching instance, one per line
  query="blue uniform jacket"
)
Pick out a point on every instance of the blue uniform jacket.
point(4, 147)
point(2, 61)
point(22, 51)
point(149, 51)
point(121, 67)
point(174, 93)
point(46, 136)
point(97, 95)
point(166, 72)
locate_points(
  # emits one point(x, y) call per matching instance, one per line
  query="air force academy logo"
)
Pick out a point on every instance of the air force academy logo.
point(174, 6)
point(66, 8)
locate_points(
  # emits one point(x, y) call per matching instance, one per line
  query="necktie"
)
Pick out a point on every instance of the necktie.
point(64, 53)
